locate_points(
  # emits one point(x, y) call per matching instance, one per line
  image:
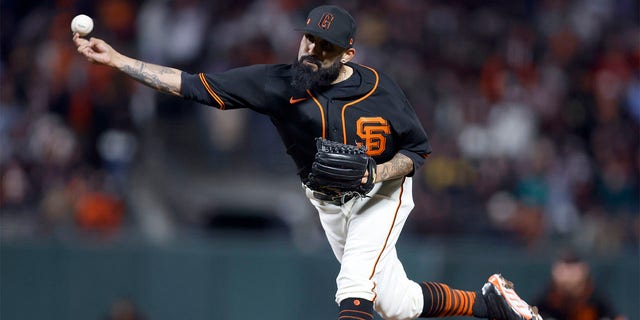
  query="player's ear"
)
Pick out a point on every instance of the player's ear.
point(347, 55)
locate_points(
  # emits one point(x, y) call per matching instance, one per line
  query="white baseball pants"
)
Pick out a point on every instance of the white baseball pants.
point(363, 233)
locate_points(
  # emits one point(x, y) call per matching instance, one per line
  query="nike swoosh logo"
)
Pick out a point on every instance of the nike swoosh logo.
point(294, 101)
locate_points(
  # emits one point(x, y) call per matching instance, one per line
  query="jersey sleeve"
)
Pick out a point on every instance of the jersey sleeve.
point(233, 89)
point(415, 146)
point(414, 142)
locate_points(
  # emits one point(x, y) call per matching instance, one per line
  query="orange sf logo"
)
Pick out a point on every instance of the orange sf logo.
point(372, 130)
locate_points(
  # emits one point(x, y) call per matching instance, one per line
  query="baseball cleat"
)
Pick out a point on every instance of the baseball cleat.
point(503, 303)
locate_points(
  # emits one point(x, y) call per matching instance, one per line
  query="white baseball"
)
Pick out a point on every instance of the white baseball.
point(82, 24)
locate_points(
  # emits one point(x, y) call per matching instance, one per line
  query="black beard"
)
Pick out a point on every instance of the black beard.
point(304, 77)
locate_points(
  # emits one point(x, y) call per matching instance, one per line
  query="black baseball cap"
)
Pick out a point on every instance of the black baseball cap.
point(331, 23)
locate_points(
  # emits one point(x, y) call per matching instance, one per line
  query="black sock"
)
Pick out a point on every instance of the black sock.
point(356, 309)
point(479, 306)
point(442, 301)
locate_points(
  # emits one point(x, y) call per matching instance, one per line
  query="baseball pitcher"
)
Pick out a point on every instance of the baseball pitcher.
point(356, 142)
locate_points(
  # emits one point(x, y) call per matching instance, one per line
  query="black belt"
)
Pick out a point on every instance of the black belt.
point(336, 199)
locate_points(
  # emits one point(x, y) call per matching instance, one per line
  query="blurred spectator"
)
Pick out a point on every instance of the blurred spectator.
point(572, 294)
point(532, 107)
point(96, 209)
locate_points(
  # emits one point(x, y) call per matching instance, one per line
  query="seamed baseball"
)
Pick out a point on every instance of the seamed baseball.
point(82, 24)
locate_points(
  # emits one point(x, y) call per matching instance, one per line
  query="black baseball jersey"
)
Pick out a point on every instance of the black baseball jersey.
point(368, 109)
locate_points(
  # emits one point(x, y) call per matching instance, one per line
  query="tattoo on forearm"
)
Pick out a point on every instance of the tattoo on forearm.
point(150, 75)
point(398, 166)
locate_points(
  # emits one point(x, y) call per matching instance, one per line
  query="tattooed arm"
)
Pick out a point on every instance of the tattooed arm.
point(399, 166)
point(161, 78)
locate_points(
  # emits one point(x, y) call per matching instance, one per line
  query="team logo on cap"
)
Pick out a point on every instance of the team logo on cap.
point(325, 21)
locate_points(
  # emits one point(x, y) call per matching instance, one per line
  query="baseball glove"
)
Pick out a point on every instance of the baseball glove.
point(338, 170)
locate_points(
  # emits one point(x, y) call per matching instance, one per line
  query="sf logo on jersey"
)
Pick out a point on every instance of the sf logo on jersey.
point(372, 131)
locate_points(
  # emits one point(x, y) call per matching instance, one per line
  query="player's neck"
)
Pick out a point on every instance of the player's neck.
point(345, 73)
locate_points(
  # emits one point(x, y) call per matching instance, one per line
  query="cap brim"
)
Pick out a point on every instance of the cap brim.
point(319, 35)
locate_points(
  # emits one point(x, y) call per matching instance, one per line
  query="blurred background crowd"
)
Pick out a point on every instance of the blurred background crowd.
point(532, 109)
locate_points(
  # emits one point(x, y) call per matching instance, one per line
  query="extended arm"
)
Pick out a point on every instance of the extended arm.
point(161, 78)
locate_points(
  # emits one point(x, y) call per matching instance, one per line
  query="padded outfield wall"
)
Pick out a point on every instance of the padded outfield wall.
point(261, 278)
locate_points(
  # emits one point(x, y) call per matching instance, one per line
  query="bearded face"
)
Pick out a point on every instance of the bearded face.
point(305, 76)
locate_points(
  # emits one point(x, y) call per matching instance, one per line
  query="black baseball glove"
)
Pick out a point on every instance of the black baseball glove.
point(338, 169)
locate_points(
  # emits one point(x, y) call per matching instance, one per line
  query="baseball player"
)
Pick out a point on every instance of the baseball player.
point(356, 142)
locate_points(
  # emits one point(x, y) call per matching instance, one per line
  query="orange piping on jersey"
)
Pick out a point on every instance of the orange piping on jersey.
point(393, 222)
point(210, 90)
point(375, 86)
point(321, 112)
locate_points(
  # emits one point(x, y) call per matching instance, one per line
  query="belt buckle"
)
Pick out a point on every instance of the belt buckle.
point(335, 199)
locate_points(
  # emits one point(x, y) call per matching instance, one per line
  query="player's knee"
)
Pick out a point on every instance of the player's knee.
point(392, 310)
point(387, 310)
point(399, 302)
point(354, 285)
